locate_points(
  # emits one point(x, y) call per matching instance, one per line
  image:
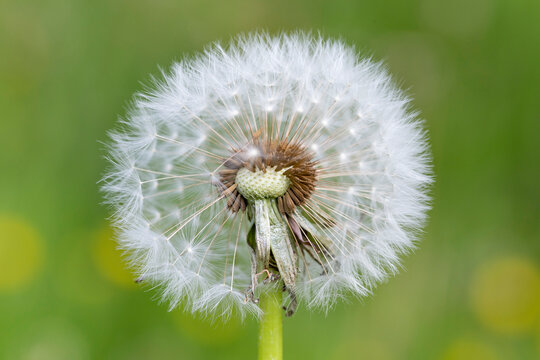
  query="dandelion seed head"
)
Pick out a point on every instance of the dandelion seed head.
point(297, 120)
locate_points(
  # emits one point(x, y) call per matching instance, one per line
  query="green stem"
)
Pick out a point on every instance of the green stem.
point(271, 327)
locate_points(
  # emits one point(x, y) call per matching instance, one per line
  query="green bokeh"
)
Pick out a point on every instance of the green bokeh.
point(68, 70)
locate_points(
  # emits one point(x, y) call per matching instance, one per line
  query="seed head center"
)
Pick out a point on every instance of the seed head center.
point(258, 184)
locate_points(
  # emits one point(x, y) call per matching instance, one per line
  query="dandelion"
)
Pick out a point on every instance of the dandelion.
point(274, 163)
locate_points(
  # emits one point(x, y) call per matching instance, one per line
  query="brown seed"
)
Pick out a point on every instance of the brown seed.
point(280, 205)
point(278, 154)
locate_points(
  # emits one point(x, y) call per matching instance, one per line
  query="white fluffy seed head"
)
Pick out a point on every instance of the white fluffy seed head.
point(372, 169)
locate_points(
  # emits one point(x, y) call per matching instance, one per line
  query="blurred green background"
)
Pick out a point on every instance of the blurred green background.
point(472, 289)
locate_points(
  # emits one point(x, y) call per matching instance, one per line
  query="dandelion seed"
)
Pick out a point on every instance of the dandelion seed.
point(304, 190)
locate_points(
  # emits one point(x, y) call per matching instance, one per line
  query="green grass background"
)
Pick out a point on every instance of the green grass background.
point(471, 290)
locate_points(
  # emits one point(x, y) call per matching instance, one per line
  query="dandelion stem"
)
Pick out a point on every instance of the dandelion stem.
point(271, 327)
